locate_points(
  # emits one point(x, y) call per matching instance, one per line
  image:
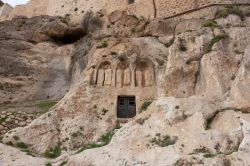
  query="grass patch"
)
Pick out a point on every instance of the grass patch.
point(170, 43)
point(209, 155)
point(48, 164)
point(210, 23)
point(230, 9)
point(46, 105)
point(53, 152)
point(21, 145)
point(103, 141)
point(63, 163)
point(104, 111)
point(163, 141)
point(2, 120)
point(201, 150)
point(145, 105)
point(103, 44)
point(141, 121)
point(213, 41)
point(160, 62)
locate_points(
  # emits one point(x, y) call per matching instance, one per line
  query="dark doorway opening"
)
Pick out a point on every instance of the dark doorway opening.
point(126, 107)
point(131, 1)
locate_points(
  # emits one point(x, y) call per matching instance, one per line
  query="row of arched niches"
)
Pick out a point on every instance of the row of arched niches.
point(124, 73)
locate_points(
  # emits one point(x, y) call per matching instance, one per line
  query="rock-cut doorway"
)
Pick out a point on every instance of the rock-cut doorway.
point(126, 107)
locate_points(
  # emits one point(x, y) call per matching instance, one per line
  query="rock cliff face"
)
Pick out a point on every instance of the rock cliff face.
point(193, 71)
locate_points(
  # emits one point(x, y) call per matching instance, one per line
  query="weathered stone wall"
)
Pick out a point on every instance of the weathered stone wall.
point(148, 9)
point(32, 8)
point(5, 10)
point(169, 8)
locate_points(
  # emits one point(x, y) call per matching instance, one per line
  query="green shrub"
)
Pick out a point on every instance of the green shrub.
point(163, 141)
point(182, 45)
point(213, 41)
point(231, 9)
point(226, 162)
point(141, 121)
point(48, 164)
point(2, 120)
point(46, 105)
point(104, 111)
point(201, 150)
point(63, 163)
point(53, 152)
point(210, 23)
point(103, 44)
point(103, 141)
point(21, 145)
point(170, 43)
point(209, 155)
point(160, 62)
point(145, 105)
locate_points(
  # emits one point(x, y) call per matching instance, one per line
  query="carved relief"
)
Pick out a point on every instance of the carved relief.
point(127, 77)
point(108, 77)
point(104, 75)
point(144, 74)
point(123, 74)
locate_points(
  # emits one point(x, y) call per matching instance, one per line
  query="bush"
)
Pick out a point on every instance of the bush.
point(163, 141)
point(170, 43)
point(201, 150)
point(63, 163)
point(103, 141)
point(213, 41)
point(145, 105)
point(103, 44)
point(46, 105)
point(53, 152)
point(48, 164)
point(104, 111)
point(231, 9)
point(141, 121)
point(21, 145)
point(210, 23)
point(209, 155)
point(182, 45)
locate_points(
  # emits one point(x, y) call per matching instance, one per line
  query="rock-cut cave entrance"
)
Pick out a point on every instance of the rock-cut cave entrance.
point(126, 106)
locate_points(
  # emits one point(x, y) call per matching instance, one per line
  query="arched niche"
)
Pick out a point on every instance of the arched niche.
point(123, 73)
point(104, 74)
point(144, 73)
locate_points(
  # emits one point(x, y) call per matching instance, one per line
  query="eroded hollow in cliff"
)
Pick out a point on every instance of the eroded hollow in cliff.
point(70, 36)
point(126, 106)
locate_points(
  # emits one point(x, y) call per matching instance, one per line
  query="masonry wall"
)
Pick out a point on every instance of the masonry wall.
point(146, 8)
point(169, 8)
point(32, 8)
point(5, 10)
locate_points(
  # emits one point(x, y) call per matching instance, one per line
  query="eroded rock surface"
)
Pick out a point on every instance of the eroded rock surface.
point(195, 71)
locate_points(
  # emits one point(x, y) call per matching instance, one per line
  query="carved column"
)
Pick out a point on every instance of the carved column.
point(133, 81)
point(138, 75)
point(119, 78)
point(127, 77)
point(108, 77)
point(148, 77)
point(100, 77)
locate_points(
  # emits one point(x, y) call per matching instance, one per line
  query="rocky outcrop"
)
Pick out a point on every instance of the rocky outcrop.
point(195, 71)
point(15, 157)
point(33, 68)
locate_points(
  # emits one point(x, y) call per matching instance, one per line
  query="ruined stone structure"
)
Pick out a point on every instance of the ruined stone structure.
point(5, 10)
point(125, 76)
point(148, 9)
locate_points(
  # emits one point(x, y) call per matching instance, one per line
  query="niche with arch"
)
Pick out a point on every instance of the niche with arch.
point(144, 73)
point(104, 74)
point(123, 74)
